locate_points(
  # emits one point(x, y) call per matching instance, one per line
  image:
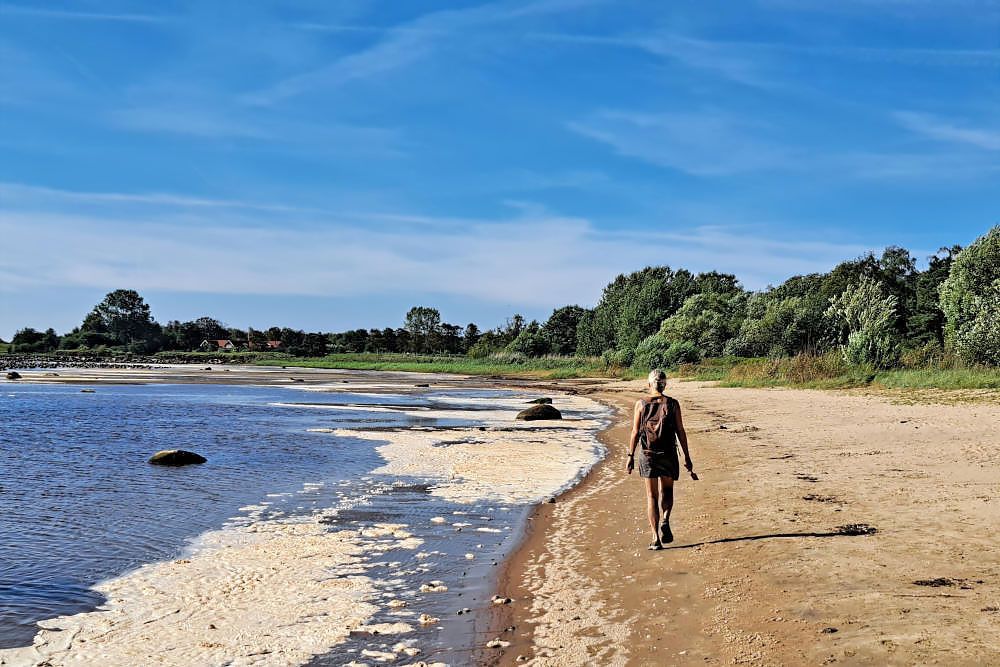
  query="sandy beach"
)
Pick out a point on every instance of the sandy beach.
point(760, 573)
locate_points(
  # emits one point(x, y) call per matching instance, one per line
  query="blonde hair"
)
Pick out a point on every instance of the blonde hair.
point(657, 378)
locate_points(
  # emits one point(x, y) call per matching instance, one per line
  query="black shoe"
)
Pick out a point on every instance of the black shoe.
point(665, 535)
point(655, 546)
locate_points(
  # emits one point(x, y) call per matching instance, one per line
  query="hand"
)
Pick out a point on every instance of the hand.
point(630, 464)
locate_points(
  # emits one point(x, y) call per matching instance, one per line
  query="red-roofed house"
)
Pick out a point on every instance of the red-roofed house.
point(218, 344)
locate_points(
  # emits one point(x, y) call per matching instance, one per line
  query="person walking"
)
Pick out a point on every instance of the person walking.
point(657, 425)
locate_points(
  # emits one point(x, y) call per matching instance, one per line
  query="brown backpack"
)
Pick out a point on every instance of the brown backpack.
point(657, 427)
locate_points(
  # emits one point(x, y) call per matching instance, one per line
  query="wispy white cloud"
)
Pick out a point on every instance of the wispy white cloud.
point(76, 15)
point(406, 44)
point(710, 143)
point(939, 129)
point(532, 257)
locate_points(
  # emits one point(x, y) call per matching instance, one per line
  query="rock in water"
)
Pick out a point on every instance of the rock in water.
point(542, 400)
point(541, 411)
point(176, 457)
point(13, 375)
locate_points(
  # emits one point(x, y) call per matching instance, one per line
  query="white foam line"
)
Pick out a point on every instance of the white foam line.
point(266, 594)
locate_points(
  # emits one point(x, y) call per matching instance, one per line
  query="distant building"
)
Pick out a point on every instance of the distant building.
point(274, 345)
point(217, 345)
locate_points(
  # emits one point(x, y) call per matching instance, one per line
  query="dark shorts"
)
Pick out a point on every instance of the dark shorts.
point(660, 464)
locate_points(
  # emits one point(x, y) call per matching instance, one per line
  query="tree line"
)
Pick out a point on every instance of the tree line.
point(873, 310)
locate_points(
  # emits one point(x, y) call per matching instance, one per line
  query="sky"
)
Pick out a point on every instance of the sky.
point(327, 165)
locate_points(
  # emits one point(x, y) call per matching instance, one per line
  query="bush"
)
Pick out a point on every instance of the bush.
point(869, 315)
point(657, 351)
point(530, 343)
point(708, 320)
point(970, 299)
point(618, 358)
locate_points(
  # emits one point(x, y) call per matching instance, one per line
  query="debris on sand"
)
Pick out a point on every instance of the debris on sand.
point(497, 643)
point(499, 599)
point(433, 587)
point(855, 529)
point(940, 582)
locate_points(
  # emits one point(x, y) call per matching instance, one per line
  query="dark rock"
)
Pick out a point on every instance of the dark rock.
point(829, 631)
point(176, 457)
point(421, 385)
point(13, 375)
point(538, 412)
point(541, 401)
point(87, 391)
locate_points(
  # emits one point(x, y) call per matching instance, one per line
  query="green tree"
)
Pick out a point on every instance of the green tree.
point(530, 342)
point(632, 307)
point(777, 325)
point(867, 314)
point(561, 327)
point(970, 300)
point(926, 322)
point(424, 327)
point(470, 336)
point(126, 318)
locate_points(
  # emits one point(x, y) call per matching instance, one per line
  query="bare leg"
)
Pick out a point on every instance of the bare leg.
point(666, 505)
point(666, 497)
point(653, 506)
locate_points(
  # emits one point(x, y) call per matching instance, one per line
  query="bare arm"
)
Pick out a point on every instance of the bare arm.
point(634, 438)
point(683, 438)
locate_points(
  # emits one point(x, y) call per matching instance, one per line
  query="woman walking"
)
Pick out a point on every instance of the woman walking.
point(657, 426)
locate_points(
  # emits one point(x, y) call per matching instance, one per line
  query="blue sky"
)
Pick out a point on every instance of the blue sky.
point(326, 165)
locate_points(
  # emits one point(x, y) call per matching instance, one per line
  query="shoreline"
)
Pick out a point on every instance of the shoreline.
point(765, 568)
point(511, 435)
point(760, 573)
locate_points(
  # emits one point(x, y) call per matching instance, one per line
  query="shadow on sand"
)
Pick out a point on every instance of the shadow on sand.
point(850, 530)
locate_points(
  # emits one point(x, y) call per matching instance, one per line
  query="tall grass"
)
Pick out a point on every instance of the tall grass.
point(506, 365)
point(830, 371)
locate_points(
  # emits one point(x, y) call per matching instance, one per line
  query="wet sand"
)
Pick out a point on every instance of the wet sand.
point(759, 573)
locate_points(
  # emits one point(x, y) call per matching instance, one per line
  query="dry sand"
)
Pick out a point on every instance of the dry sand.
point(758, 574)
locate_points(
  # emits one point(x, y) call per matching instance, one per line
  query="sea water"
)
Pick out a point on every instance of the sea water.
point(80, 505)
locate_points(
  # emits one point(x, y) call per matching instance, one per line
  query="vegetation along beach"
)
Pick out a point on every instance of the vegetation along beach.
point(461, 333)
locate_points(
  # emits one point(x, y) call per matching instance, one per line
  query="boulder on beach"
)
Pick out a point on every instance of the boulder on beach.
point(541, 401)
point(176, 457)
point(538, 412)
point(13, 375)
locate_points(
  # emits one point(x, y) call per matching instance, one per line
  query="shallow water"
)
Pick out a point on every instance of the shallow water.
point(80, 505)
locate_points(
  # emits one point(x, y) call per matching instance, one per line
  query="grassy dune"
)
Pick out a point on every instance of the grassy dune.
point(550, 367)
point(831, 372)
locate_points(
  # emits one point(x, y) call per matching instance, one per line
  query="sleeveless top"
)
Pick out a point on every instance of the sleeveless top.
point(668, 440)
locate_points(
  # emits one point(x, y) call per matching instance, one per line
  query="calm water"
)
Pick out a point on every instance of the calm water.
point(79, 503)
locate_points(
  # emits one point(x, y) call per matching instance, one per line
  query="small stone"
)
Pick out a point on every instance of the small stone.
point(176, 457)
point(499, 599)
point(829, 631)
